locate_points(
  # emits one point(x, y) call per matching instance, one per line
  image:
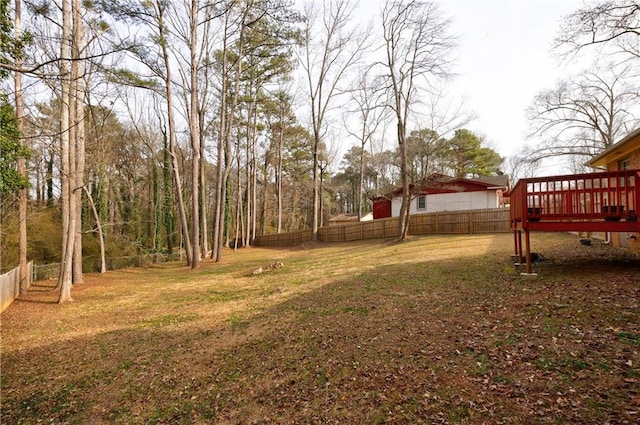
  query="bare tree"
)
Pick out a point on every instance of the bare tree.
point(78, 127)
point(326, 157)
point(224, 144)
point(96, 216)
point(331, 47)
point(158, 20)
point(234, 25)
point(22, 169)
point(153, 16)
point(194, 128)
point(418, 46)
point(521, 166)
point(68, 199)
point(583, 115)
point(191, 26)
point(611, 23)
point(445, 114)
point(383, 163)
point(281, 116)
point(369, 106)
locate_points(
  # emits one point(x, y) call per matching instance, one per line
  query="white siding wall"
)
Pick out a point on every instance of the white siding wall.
point(396, 203)
point(450, 202)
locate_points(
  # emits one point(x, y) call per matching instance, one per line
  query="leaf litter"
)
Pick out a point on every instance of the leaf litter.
point(439, 330)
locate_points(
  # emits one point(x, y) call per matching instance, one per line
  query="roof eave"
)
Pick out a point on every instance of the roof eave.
point(617, 151)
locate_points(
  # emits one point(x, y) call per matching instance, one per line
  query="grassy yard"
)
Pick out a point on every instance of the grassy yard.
point(434, 330)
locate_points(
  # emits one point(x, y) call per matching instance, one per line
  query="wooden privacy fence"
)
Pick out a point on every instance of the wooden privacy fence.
point(92, 264)
point(494, 220)
point(284, 239)
point(373, 229)
point(10, 285)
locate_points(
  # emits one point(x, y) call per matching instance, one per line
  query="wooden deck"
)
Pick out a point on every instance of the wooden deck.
point(593, 202)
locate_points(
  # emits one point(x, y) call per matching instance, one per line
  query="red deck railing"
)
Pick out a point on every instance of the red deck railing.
point(604, 201)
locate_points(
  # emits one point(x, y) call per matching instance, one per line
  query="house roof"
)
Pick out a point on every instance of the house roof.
point(439, 183)
point(618, 150)
point(501, 181)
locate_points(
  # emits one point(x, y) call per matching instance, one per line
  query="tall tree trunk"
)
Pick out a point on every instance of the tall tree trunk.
point(204, 233)
point(403, 220)
point(239, 208)
point(49, 181)
point(254, 204)
point(248, 172)
point(316, 187)
point(216, 249)
point(265, 188)
point(226, 118)
point(254, 178)
point(195, 137)
point(204, 193)
point(320, 190)
point(227, 210)
point(294, 202)
point(166, 205)
point(217, 217)
point(172, 135)
point(155, 207)
point(67, 177)
point(22, 162)
point(39, 186)
point(77, 77)
point(96, 216)
point(180, 201)
point(279, 169)
point(361, 181)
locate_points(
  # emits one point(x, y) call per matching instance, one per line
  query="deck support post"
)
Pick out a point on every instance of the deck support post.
point(519, 245)
point(528, 248)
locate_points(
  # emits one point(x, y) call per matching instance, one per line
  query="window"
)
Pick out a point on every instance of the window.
point(422, 202)
point(624, 164)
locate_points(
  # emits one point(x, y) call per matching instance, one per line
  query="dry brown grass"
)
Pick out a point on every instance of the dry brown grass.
point(434, 330)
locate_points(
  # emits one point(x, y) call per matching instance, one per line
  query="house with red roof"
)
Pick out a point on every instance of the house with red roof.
point(438, 192)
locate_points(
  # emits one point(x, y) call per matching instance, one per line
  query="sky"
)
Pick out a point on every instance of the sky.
point(503, 60)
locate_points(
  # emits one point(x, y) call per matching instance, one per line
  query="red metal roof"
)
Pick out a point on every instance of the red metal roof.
point(440, 183)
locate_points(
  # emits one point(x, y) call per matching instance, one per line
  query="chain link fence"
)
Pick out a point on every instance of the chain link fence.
point(92, 264)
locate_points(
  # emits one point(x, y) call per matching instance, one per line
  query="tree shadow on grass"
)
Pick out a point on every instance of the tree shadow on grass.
point(433, 341)
point(565, 257)
point(34, 301)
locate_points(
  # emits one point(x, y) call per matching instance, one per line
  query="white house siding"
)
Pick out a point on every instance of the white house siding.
point(450, 202)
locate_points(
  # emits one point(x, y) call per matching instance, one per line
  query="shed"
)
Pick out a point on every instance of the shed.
point(381, 207)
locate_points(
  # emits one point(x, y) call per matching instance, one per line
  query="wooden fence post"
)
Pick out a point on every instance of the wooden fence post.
point(471, 222)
